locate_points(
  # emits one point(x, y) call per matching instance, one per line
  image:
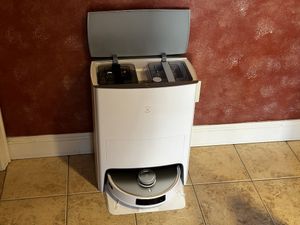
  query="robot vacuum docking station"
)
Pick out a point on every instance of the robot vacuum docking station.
point(144, 99)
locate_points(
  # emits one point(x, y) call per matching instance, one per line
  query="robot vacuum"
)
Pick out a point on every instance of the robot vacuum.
point(144, 188)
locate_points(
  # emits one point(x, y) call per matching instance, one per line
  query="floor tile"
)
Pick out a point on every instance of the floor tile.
point(232, 204)
point(216, 164)
point(35, 177)
point(190, 215)
point(2, 176)
point(282, 198)
point(82, 176)
point(38, 211)
point(269, 160)
point(295, 145)
point(92, 209)
point(189, 181)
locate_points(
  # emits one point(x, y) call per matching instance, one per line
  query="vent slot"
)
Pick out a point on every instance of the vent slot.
point(150, 201)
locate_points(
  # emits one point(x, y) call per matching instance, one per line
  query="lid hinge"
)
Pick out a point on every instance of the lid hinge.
point(115, 59)
point(163, 57)
point(116, 69)
point(167, 69)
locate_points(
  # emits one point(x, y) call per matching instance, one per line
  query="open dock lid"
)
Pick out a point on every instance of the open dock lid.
point(138, 33)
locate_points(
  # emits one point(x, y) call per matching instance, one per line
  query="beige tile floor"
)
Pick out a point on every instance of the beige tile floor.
point(252, 184)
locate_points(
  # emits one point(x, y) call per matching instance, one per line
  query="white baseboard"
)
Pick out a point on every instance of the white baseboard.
point(204, 135)
point(50, 145)
point(252, 132)
point(4, 152)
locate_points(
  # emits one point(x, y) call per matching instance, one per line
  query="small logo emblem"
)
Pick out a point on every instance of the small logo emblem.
point(148, 109)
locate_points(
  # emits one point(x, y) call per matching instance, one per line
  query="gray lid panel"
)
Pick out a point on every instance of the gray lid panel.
point(138, 32)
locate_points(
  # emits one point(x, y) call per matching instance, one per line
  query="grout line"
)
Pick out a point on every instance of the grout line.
point(135, 218)
point(68, 171)
point(5, 173)
point(264, 204)
point(67, 191)
point(192, 183)
point(40, 157)
point(222, 182)
point(66, 209)
point(200, 206)
point(48, 196)
point(293, 151)
point(25, 198)
point(85, 193)
point(189, 178)
point(245, 181)
point(237, 152)
point(276, 178)
point(241, 181)
point(266, 208)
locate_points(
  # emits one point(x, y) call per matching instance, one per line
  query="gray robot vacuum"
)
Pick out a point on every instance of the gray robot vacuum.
point(145, 187)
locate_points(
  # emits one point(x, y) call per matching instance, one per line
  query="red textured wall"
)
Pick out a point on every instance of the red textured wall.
point(246, 52)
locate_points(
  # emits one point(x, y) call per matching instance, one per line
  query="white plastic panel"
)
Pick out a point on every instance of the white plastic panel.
point(147, 151)
point(142, 127)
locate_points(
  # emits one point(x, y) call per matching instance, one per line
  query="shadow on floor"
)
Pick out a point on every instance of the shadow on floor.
point(82, 170)
point(246, 214)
